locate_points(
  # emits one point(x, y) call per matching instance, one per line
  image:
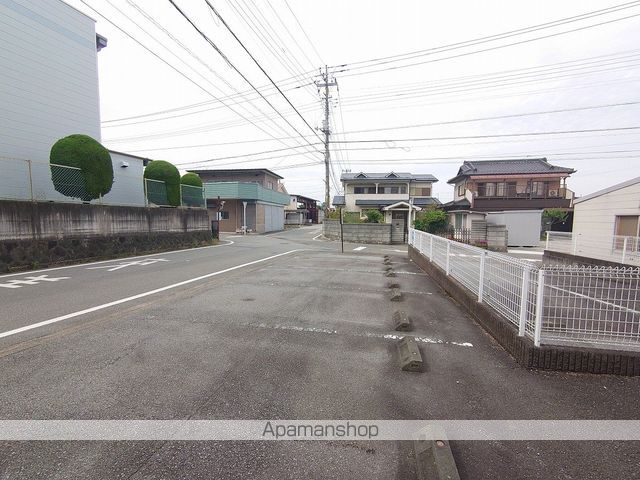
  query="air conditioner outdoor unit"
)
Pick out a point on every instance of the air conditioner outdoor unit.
point(553, 193)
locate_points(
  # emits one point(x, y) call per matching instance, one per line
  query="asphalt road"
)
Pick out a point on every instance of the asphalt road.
point(277, 326)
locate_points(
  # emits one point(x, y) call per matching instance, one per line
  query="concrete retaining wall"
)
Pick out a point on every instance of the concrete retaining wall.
point(497, 238)
point(358, 232)
point(561, 258)
point(568, 359)
point(37, 234)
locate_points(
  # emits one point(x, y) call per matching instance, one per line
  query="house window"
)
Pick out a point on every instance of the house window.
point(364, 190)
point(223, 215)
point(487, 189)
point(538, 189)
point(627, 225)
point(421, 192)
point(460, 190)
point(269, 185)
point(393, 189)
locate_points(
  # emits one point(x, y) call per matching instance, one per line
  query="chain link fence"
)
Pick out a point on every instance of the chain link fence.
point(192, 196)
point(598, 307)
point(22, 179)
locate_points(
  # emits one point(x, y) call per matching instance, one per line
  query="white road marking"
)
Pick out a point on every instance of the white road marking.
point(316, 237)
point(528, 252)
point(30, 281)
point(357, 249)
point(135, 297)
point(399, 251)
point(329, 331)
point(142, 263)
point(115, 260)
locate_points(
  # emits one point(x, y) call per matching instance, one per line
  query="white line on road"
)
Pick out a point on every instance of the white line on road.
point(357, 249)
point(316, 237)
point(528, 252)
point(115, 260)
point(399, 251)
point(121, 265)
point(135, 297)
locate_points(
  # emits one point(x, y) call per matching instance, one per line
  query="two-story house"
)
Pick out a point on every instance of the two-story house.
point(251, 199)
point(493, 187)
point(397, 195)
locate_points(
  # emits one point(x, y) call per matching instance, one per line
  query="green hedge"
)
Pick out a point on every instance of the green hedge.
point(95, 176)
point(165, 172)
point(192, 179)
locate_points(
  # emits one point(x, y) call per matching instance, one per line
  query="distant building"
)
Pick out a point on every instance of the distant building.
point(301, 210)
point(397, 195)
point(498, 186)
point(232, 192)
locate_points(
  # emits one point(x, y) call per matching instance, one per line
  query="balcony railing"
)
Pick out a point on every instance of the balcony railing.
point(551, 193)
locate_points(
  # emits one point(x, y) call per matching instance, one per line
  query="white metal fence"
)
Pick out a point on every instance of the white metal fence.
point(581, 306)
point(614, 248)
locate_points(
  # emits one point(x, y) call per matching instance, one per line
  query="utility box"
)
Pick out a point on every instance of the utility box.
point(523, 226)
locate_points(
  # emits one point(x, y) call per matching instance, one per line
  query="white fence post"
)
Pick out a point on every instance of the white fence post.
point(30, 181)
point(524, 300)
point(431, 248)
point(575, 244)
point(546, 246)
point(483, 257)
point(624, 249)
point(539, 309)
point(447, 269)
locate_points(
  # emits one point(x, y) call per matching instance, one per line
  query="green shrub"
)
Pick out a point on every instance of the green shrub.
point(374, 216)
point(432, 220)
point(165, 172)
point(95, 176)
point(192, 179)
point(351, 217)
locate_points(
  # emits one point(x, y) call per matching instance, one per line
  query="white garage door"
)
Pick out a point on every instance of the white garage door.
point(273, 218)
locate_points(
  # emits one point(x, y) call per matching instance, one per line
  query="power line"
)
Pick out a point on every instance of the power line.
point(257, 64)
point(180, 72)
point(555, 132)
point(215, 47)
point(625, 130)
point(490, 38)
point(304, 32)
point(498, 117)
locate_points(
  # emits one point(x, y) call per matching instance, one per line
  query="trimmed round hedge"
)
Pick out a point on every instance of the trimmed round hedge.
point(93, 160)
point(192, 179)
point(165, 172)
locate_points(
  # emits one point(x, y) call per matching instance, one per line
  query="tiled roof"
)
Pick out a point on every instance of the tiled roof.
point(424, 201)
point(421, 177)
point(508, 167)
point(463, 204)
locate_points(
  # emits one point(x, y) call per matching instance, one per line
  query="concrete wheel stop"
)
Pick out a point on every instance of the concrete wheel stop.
point(409, 355)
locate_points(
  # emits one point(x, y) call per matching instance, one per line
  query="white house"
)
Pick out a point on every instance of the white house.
point(397, 195)
point(608, 212)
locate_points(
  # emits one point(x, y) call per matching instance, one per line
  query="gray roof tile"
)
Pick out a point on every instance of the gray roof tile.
point(424, 177)
point(508, 167)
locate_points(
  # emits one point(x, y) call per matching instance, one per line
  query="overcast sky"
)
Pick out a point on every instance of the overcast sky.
point(143, 100)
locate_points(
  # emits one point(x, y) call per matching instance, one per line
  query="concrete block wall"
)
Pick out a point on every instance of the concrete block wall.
point(46, 233)
point(497, 238)
point(358, 232)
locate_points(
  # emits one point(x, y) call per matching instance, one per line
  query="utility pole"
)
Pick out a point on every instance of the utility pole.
point(326, 83)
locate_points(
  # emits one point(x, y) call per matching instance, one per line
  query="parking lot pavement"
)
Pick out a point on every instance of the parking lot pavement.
point(304, 336)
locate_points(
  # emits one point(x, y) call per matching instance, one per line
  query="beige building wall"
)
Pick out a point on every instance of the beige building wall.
point(596, 217)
